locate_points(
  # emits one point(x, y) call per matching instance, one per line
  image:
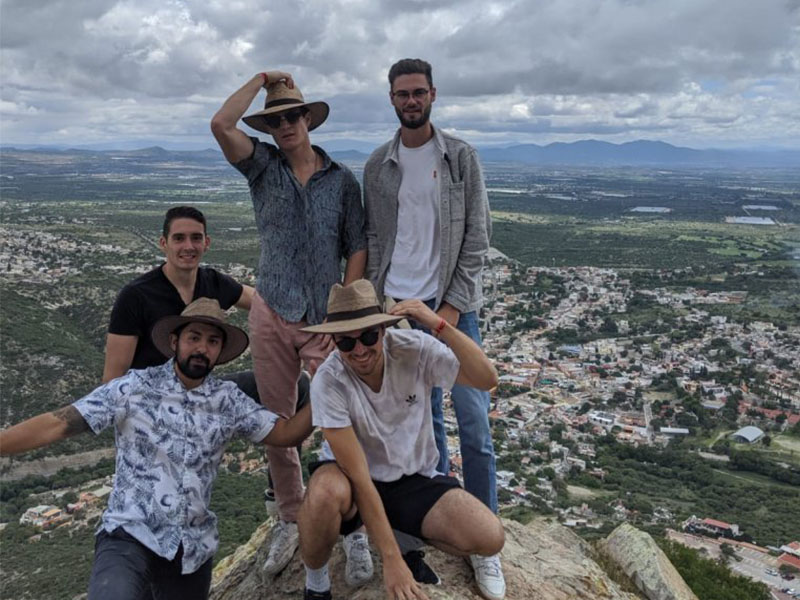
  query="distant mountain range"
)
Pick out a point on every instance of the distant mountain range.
point(584, 152)
point(641, 152)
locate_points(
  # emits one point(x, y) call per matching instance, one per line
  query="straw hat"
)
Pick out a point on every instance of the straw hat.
point(351, 307)
point(280, 98)
point(202, 310)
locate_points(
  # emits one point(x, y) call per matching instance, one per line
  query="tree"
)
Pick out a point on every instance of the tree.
point(728, 552)
point(69, 498)
point(556, 431)
point(788, 570)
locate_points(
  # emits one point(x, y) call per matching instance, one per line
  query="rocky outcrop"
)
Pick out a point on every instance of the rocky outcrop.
point(648, 567)
point(542, 560)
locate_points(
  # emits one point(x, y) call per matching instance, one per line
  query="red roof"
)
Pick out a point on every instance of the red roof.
point(788, 559)
point(770, 413)
point(794, 545)
point(715, 523)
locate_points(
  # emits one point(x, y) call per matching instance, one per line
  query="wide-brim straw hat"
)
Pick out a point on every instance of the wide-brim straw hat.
point(280, 98)
point(202, 310)
point(352, 307)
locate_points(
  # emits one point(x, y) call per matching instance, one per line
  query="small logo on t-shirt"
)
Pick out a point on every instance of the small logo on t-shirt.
point(412, 399)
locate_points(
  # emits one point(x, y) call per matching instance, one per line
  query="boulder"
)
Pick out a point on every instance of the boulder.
point(640, 558)
point(541, 560)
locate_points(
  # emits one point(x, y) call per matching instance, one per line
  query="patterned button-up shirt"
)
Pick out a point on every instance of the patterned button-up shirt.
point(170, 441)
point(305, 230)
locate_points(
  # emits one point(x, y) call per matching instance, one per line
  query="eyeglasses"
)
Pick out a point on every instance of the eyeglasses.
point(404, 95)
point(367, 338)
point(291, 116)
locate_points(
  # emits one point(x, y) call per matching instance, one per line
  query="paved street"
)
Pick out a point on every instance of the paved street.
point(753, 564)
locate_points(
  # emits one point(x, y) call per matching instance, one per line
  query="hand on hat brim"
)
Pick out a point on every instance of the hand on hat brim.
point(273, 76)
point(416, 310)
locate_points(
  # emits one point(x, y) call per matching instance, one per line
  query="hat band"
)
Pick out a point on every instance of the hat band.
point(353, 314)
point(282, 101)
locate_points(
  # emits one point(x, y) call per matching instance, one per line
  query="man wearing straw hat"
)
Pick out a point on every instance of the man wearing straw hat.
point(309, 217)
point(171, 424)
point(372, 399)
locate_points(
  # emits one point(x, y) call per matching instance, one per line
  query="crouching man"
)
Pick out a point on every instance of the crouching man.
point(157, 537)
point(371, 397)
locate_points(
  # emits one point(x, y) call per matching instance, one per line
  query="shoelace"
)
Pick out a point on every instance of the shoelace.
point(489, 566)
point(358, 550)
point(281, 535)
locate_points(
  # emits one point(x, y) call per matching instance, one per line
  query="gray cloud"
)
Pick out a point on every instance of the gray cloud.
point(695, 72)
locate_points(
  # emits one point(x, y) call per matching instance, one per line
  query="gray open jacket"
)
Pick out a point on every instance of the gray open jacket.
point(464, 221)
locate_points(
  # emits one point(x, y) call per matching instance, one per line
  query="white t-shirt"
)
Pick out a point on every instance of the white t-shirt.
point(393, 425)
point(414, 270)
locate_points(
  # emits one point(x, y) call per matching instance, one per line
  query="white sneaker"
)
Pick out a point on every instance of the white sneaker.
point(358, 569)
point(489, 576)
point(284, 544)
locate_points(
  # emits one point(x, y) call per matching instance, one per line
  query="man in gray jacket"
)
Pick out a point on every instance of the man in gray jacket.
point(428, 227)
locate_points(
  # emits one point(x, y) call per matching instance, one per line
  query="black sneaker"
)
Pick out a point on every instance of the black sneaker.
point(312, 595)
point(420, 569)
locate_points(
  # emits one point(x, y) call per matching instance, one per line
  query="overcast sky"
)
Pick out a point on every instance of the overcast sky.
point(701, 73)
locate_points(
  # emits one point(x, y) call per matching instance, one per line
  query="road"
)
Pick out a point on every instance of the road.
point(753, 564)
point(50, 465)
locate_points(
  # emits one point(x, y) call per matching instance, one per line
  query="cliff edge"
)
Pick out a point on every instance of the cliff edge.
point(542, 560)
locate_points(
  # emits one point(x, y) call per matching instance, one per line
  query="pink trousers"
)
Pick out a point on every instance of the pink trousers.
point(279, 350)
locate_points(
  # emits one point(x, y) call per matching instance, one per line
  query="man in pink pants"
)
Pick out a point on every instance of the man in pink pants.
point(309, 217)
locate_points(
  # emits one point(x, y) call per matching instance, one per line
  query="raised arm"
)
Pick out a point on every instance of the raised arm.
point(476, 370)
point(235, 143)
point(290, 432)
point(42, 430)
point(119, 355)
point(351, 460)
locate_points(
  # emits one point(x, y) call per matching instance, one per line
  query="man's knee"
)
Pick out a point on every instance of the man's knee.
point(328, 489)
point(494, 538)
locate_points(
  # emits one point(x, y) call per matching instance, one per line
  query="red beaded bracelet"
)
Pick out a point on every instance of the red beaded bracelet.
point(439, 327)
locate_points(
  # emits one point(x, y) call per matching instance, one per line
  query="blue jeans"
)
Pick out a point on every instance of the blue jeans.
point(124, 569)
point(472, 415)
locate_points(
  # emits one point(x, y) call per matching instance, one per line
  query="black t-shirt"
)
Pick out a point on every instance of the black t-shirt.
point(148, 298)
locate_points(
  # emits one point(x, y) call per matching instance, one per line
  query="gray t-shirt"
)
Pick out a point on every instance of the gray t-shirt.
point(393, 425)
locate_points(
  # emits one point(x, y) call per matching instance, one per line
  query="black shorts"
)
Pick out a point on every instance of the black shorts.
point(406, 501)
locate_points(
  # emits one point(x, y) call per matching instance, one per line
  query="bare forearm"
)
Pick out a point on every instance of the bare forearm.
point(476, 368)
point(290, 432)
point(354, 269)
point(235, 106)
point(120, 350)
point(370, 507)
point(42, 430)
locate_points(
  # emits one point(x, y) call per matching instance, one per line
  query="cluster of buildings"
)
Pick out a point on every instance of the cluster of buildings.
point(608, 380)
point(47, 516)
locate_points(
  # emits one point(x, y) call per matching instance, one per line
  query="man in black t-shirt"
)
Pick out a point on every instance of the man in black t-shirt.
point(166, 290)
point(151, 296)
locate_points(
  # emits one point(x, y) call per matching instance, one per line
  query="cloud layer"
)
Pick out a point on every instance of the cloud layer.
point(693, 72)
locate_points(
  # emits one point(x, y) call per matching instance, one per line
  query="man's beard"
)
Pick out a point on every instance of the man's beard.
point(417, 123)
point(194, 371)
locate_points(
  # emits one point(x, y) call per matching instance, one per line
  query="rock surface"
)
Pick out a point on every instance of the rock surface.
point(542, 560)
point(643, 561)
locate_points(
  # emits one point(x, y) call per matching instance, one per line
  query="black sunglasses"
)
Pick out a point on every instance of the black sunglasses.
point(367, 338)
point(291, 116)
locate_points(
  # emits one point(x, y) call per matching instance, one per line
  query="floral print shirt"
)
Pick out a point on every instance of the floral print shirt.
point(169, 442)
